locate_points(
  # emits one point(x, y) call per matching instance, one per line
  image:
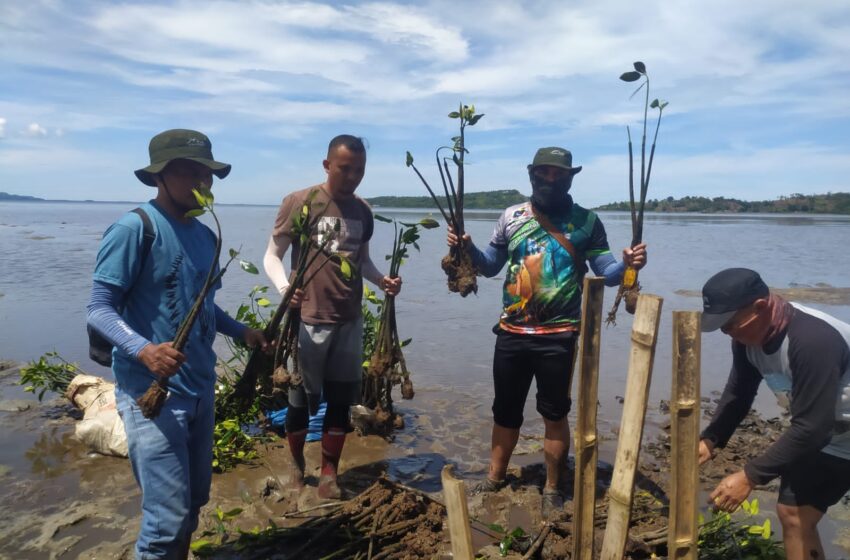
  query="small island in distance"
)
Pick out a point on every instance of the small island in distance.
point(829, 203)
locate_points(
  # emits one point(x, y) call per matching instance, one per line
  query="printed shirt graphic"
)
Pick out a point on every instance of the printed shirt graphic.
point(329, 299)
point(159, 296)
point(541, 293)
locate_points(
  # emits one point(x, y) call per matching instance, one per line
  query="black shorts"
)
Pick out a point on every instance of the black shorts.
point(520, 357)
point(818, 480)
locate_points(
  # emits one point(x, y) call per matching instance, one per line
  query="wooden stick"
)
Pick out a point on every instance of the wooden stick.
point(684, 436)
point(584, 493)
point(456, 507)
point(644, 337)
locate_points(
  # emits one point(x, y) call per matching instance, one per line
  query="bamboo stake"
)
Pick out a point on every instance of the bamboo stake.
point(644, 337)
point(456, 508)
point(684, 434)
point(584, 494)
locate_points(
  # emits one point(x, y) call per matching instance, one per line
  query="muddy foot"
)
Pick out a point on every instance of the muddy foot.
point(552, 504)
point(328, 488)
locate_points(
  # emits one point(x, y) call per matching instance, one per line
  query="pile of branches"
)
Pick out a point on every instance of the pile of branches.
point(385, 522)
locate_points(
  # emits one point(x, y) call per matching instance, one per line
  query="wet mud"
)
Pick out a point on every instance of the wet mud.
point(62, 502)
point(819, 293)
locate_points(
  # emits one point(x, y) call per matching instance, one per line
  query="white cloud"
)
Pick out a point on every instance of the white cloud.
point(2, 127)
point(35, 130)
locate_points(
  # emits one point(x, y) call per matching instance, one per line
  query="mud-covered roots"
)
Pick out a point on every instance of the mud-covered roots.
point(631, 297)
point(151, 402)
point(407, 392)
point(461, 273)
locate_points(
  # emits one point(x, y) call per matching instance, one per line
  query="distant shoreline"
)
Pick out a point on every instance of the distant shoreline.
point(797, 204)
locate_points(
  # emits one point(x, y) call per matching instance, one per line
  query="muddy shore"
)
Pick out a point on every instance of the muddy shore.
point(62, 502)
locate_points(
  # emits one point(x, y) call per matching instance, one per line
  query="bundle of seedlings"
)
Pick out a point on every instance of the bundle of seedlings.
point(275, 374)
point(457, 265)
point(51, 372)
point(152, 400)
point(629, 286)
point(386, 366)
point(386, 521)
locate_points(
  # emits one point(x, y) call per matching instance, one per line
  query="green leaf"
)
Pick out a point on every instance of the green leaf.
point(199, 544)
point(475, 119)
point(405, 342)
point(517, 532)
point(195, 213)
point(345, 268)
point(199, 197)
point(496, 527)
point(630, 76)
point(654, 104)
point(429, 223)
point(248, 267)
point(263, 302)
point(233, 513)
point(409, 160)
point(640, 67)
point(454, 115)
point(766, 529)
point(232, 252)
point(383, 218)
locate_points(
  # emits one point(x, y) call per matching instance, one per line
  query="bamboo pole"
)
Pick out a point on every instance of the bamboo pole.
point(584, 493)
point(456, 508)
point(644, 337)
point(684, 434)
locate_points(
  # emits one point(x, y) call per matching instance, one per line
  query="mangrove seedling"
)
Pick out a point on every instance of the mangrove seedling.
point(629, 286)
point(51, 372)
point(457, 265)
point(386, 366)
point(151, 402)
point(313, 255)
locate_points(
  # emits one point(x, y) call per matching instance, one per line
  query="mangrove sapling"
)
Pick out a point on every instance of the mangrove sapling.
point(51, 372)
point(304, 228)
point(151, 402)
point(629, 286)
point(386, 364)
point(457, 265)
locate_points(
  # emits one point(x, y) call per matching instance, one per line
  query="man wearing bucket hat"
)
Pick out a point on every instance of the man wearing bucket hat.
point(141, 292)
point(546, 242)
point(804, 356)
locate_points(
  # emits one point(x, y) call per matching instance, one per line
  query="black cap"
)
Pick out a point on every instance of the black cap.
point(728, 291)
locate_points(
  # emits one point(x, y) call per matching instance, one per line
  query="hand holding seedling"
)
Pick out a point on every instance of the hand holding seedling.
point(391, 286)
point(163, 360)
point(635, 257)
point(452, 239)
point(731, 492)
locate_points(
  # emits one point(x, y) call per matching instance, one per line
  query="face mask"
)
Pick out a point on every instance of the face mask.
point(551, 197)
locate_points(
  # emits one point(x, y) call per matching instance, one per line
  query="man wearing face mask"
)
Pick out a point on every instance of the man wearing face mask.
point(546, 243)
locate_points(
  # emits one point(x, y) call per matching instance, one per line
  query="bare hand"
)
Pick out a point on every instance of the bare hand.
point(452, 239)
point(731, 491)
point(254, 338)
point(391, 286)
point(635, 257)
point(297, 297)
point(161, 359)
point(706, 451)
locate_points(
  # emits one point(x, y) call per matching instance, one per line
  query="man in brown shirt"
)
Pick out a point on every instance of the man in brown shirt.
point(331, 337)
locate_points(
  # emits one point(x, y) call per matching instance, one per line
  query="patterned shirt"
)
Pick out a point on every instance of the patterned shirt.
point(542, 293)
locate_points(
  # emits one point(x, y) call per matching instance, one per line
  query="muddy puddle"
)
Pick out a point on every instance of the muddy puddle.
point(59, 501)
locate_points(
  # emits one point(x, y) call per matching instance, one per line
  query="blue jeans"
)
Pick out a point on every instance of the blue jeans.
point(172, 462)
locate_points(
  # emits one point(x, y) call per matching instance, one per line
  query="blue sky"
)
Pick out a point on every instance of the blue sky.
point(758, 92)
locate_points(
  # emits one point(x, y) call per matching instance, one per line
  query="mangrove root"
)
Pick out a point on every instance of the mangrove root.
point(461, 272)
point(151, 402)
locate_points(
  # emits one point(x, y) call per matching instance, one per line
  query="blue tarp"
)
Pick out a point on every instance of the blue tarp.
point(314, 428)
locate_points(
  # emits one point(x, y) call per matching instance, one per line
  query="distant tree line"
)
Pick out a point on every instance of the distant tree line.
point(829, 203)
point(489, 200)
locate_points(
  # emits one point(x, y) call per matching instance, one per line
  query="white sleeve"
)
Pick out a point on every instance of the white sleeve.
point(273, 262)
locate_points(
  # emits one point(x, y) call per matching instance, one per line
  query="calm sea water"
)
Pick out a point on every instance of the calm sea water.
point(48, 251)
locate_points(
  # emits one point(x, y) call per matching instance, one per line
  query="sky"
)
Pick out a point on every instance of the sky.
point(758, 92)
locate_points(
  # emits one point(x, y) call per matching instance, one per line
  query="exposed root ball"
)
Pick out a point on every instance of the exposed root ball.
point(460, 271)
point(631, 297)
point(151, 402)
point(281, 378)
point(407, 391)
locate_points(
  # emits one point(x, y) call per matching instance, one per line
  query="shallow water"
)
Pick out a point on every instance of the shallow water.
point(49, 248)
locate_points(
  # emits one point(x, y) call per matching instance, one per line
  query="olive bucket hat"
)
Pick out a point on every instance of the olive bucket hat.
point(180, 144)
point(556, 157)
